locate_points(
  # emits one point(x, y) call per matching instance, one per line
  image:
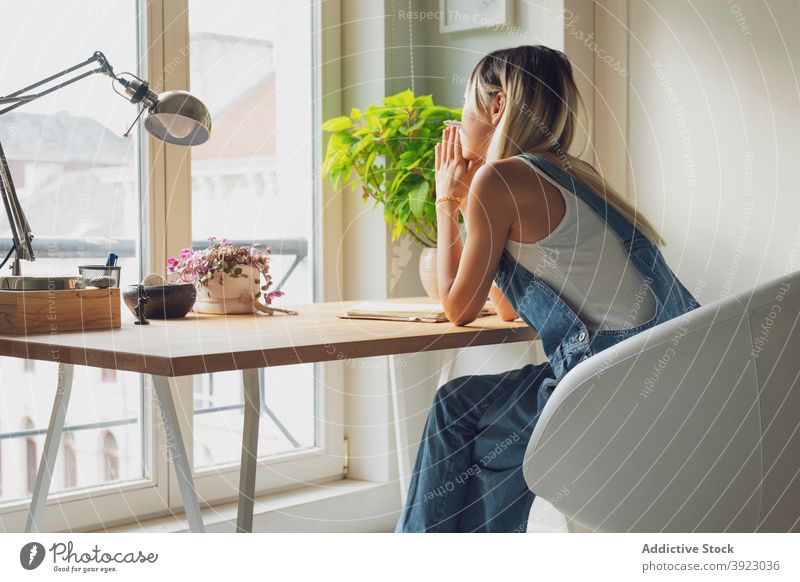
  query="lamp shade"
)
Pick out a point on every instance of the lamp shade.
point(179, 118)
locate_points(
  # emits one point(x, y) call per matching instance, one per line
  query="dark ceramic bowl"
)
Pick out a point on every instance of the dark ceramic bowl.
point(166, 301)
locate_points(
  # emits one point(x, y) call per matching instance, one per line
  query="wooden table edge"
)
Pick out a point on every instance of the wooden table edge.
point(27, 348)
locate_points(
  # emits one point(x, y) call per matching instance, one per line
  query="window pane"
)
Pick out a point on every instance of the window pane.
point(287, 414)
point(253, 182)
point(77, 180)
point(100, 415)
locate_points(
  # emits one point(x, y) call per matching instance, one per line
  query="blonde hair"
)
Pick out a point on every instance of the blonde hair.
point(540, 116)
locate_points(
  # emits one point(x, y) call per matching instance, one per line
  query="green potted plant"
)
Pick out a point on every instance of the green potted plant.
point(390, 148)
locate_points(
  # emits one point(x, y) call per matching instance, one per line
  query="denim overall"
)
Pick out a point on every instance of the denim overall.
point(467, 476)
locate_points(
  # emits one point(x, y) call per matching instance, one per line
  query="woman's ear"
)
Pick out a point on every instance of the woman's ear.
point(497, 108)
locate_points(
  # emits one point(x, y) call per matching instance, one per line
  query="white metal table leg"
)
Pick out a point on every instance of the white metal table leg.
point(247, 475)
point(399, 410)
point(177, 449)
point(449, 358)
point(400, 429)
point(52, 440)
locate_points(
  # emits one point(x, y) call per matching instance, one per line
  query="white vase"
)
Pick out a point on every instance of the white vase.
point(234, 295)
point(428, 272)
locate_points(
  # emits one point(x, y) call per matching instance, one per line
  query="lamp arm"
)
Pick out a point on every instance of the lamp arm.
point(19, 98)
point(20, 229)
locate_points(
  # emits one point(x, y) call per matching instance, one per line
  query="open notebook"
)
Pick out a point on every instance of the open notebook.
point(393, 311)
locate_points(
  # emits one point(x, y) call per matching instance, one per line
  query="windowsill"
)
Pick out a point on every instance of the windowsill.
point(342, 505)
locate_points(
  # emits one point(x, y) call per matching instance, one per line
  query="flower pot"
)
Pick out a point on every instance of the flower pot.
point(428, 272)
point(233, 295)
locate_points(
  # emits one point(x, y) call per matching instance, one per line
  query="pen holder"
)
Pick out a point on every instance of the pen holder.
point(100, 275)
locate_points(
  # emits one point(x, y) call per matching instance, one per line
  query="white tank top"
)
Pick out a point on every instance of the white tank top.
point(583, 261)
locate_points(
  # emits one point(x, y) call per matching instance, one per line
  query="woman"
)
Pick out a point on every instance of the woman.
point(551, 243)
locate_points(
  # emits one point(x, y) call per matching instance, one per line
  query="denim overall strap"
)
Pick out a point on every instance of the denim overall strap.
point(565, 338)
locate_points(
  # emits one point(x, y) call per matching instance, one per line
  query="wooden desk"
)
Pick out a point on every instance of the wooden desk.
point(199, 344)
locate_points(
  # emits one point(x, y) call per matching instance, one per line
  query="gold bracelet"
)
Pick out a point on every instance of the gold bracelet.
point(446, 198)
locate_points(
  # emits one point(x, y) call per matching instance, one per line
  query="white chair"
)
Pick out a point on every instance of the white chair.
point(692, 425)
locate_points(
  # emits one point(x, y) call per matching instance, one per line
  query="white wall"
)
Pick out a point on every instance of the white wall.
point(713, 137)
point(451, 56)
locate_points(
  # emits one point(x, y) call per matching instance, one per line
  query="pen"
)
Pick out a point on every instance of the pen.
point(452, 123)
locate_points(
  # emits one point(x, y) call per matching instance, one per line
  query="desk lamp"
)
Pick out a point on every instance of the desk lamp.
point(175, 117)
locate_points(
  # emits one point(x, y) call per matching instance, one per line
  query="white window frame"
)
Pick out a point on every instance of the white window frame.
point(219, 483)
point(166, 219)
point(106, 505)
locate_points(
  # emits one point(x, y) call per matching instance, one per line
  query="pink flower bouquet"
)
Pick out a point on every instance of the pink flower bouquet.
point(211, 266)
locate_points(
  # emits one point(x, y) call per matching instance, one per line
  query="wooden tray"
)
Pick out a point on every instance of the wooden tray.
point(32, 312)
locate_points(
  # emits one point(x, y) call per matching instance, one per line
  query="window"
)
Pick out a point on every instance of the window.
point(31, 457)
point(204, 396)
point(76, 175)
point(108, 375)
point(78, 180)
point(87, 191)
point(252, 66)
point(110, 452)
point(70, 460)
